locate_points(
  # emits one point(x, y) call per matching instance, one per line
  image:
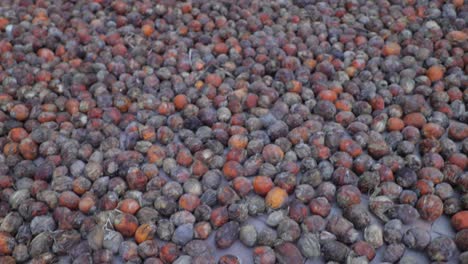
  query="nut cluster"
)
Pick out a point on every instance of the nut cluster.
point(135, 130)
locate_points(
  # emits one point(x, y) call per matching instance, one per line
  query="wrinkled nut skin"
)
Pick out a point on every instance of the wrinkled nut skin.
point(417, 238)
point(298, 211)
point(189, 202)
point(358, 215)
point(264, 255)
point(320, 206)
point(335, 251)
point(17, 134)
point(20, 112)
point(309, 245)
point(272, 154)
point(393, 252)
point(144, 232)
point(126, 224)
point(288, 253)
point(202, 230)
point(461, 239)
point(288, 230)
point(227, 234)
point(169, 252)
point(229, 259)
point(362, 248)
point(69, 199)
point(136, 180)
point(242, 186)
point(430, 207)
point(219, 216)
point(7, 243)
point(374, 236)
point(232, 169)
point(441, 249)
point(347, 196)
